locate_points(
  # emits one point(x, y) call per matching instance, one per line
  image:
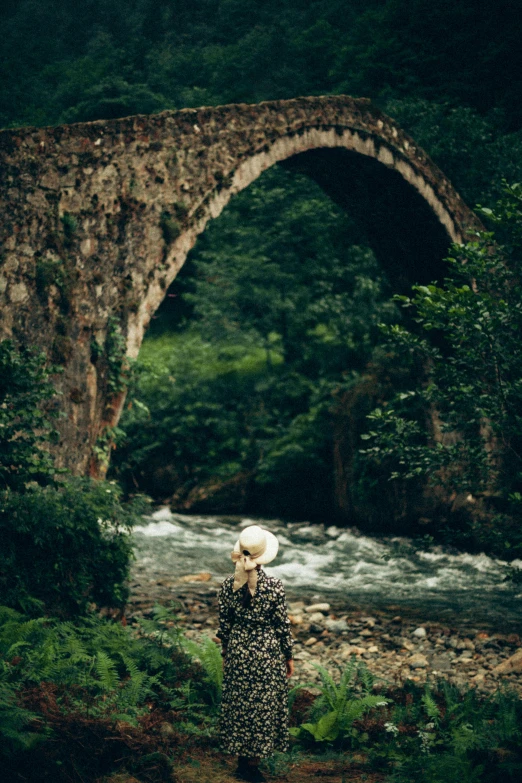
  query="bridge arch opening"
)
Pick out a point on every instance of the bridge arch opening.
point(161, 475)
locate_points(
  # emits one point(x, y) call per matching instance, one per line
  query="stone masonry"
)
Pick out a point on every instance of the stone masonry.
point(99, 217)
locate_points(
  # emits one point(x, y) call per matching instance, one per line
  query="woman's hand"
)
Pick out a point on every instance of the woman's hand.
point(290, 667)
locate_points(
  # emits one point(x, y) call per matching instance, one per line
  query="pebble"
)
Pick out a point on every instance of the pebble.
point(316, 617)
point(440, 663)
point(418, 661)
point(337, 626)
point(420, 633)
point(314, 608)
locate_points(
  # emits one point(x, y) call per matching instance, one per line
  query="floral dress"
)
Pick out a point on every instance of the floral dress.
point(254, 712)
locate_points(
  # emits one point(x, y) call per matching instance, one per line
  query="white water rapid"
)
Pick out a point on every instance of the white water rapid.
point(326, 561)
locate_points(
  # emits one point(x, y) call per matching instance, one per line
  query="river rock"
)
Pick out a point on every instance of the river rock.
point(418, 661)
point(512, 665)
point(316, 617)
point(440, 663)
point(420, 633)
point(310, 641)
point(324, 608)
point(346, 651)
point(337, 626)
point(203, 576)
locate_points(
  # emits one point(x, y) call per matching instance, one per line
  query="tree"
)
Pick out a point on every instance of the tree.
point(468, 338)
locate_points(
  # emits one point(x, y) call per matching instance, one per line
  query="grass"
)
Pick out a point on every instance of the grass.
point(186, 353)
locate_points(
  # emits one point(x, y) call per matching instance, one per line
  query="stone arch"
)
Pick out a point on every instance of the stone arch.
point(102, 215)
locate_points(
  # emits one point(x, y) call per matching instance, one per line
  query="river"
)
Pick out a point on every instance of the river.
point(327, 562)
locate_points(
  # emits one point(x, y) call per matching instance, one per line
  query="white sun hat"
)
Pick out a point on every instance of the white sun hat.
point(258, 544)
point(254, 547)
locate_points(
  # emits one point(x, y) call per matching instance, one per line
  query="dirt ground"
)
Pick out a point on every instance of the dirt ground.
point(208, 767)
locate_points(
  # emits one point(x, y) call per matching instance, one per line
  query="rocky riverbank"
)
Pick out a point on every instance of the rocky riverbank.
point(395, 645)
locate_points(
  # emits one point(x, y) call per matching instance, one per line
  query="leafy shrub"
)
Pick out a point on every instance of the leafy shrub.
point(447, 735)
point(25, 417)
point(65, 546)
point(65, 543)
point(92, 658)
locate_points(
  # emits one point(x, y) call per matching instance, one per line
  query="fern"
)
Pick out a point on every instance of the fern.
point(430, 706)
point(15, 723)
point(337, 707)
point(106, 671)
point(366, 678)
point(208, 653)
point(355, 709)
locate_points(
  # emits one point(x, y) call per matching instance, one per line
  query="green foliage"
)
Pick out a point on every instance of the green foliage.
point(25, 417)
point(275, 312)
point(208, 653)
point(15, 722)
point(66, 546)
point(289, 278)
point(70, 224)
point(468, 336)
point(438, 733)
point(107, 60)
point(119, 366)
point(467, 737)
point(472, 150)
point(339, 706)
point(65, 543)
point(170, 227)
point(337, 724)
point(97, 668)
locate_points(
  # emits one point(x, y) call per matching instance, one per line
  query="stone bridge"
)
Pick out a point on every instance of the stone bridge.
point(99, 217)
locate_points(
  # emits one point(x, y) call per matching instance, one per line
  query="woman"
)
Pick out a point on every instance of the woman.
point(257, 650)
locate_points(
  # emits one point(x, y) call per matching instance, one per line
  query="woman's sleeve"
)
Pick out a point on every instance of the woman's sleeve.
point(226, 618)
point(282, 623)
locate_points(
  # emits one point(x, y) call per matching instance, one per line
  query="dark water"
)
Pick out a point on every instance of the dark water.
point(332, 563)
